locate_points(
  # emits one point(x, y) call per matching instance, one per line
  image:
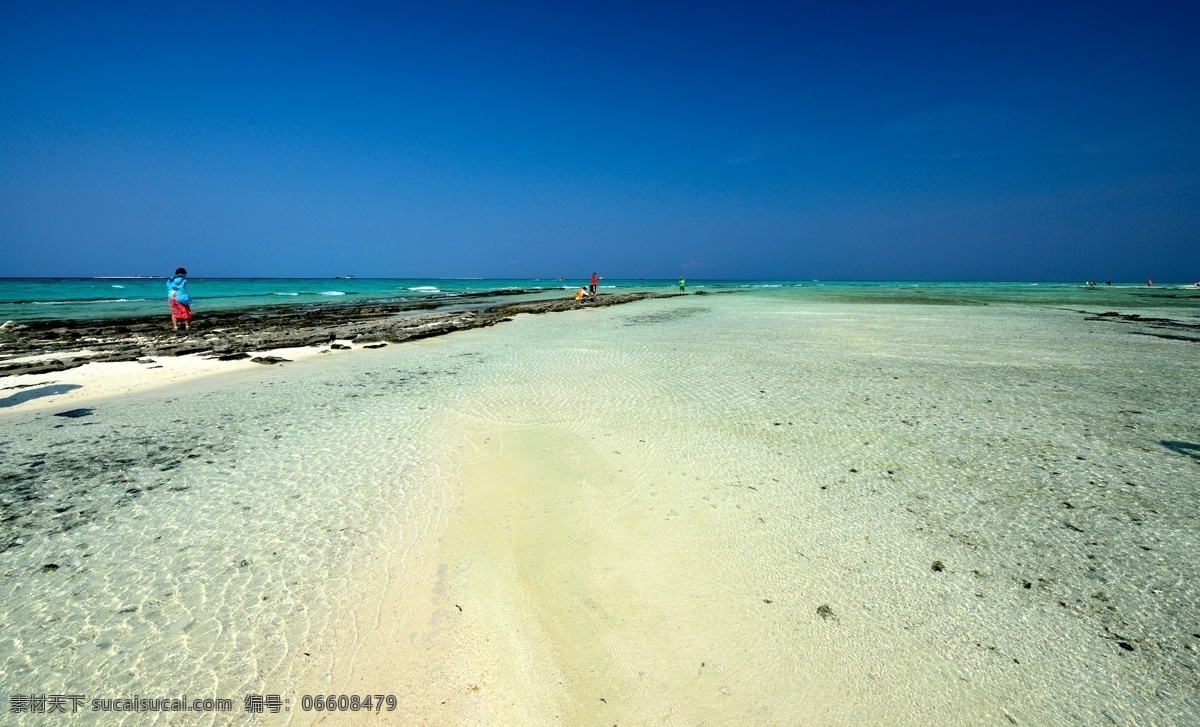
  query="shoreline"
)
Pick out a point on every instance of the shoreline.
point(49, 364)
point(25, 347)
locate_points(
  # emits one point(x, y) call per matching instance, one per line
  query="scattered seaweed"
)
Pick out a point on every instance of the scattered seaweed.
point(666, 316)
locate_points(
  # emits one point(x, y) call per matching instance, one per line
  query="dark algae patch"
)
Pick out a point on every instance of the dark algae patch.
point(77, 476)
point(666, 316)
point(75, 413)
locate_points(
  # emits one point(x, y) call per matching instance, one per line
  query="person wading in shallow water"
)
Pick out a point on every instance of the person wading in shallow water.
point(682, 283)
point(179, 300)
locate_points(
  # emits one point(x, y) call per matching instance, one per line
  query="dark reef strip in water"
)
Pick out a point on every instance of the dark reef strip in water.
point(1167, 328)
point(228, 334)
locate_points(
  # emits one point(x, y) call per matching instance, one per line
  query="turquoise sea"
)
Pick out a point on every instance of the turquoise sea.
point(24, 299)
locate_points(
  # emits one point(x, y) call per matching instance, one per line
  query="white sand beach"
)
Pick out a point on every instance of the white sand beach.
point(91, 382)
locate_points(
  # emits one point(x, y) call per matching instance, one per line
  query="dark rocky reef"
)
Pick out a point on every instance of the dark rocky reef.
point(236, 334)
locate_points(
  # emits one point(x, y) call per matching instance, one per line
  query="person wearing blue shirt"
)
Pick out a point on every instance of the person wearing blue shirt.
point(179, 300)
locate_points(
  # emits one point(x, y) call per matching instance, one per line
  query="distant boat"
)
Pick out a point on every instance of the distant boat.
point(342, 277)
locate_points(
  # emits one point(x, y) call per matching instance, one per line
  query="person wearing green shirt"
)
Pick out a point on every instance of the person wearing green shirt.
point(681, 284)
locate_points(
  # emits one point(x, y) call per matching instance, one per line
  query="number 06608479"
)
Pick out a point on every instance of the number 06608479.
point(348, 703)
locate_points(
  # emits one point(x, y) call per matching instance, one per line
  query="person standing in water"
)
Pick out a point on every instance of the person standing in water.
point(682, 282)
point(179, 300)
point(595, 282)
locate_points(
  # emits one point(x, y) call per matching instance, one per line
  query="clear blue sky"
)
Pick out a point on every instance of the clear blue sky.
point(1029, 141)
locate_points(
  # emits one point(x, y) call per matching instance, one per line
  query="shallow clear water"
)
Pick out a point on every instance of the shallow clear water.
point(749, 461)
point(746, 460)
